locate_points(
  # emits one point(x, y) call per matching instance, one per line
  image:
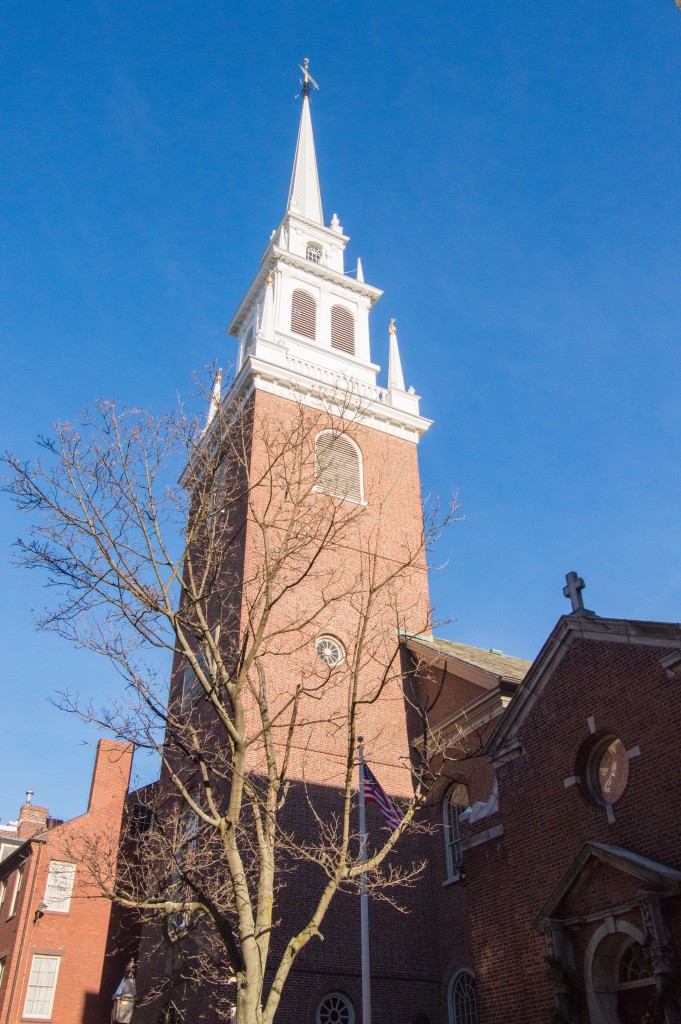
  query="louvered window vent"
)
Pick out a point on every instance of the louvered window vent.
point(342, 330)
point(313, 252)
point(303, 314)
point(339, 469)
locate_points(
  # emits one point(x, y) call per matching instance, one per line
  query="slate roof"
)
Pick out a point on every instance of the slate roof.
point(489, 661)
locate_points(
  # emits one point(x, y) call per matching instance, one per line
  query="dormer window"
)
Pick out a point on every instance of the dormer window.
point(313, 252)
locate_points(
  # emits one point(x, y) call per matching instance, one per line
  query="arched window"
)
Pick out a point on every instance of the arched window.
point(342, 330)
point(335, 1008)
point(313, 252)
point(338, 466)
point(463, 1007)
point(303, 314)
point(455, 801)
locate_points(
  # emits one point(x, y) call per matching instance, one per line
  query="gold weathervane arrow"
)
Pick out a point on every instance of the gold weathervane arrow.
point(307, 77)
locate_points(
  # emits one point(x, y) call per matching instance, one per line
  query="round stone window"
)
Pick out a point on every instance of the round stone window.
point(607, 770)
point(330, 650)
point(335, 1009)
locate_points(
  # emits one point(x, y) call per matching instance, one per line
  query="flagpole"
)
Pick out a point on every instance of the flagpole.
point(363, 894)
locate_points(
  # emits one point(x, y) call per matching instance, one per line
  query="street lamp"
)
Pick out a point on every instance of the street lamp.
point(124, 997)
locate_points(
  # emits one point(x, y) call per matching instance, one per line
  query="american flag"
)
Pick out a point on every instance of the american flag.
point(375, 794)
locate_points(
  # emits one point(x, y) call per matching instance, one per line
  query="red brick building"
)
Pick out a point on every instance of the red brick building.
point(551, 880)
point(60, 952)
point(553, 865)
point(573, 868)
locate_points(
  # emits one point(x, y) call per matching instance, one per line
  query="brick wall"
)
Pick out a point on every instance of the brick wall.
point(80, 936)
point(623, 688)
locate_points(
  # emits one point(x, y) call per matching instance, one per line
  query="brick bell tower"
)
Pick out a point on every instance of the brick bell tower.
point(303, 453)
point(304, 342)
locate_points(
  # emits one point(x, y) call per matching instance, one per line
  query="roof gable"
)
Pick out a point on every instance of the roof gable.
point(649, 873)
point(568, 629)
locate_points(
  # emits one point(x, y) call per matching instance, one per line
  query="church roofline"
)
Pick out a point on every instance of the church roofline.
point(568, 629)
point(487, 668)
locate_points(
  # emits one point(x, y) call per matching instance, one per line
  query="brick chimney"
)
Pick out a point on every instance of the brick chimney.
point(32, 819)
point(111, 777)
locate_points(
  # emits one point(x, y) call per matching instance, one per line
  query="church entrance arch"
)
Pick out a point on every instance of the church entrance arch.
point(618, 982)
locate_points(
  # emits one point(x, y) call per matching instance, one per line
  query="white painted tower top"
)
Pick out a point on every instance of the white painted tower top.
point(303, 324)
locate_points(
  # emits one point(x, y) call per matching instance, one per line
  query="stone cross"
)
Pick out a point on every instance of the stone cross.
point(573, 591)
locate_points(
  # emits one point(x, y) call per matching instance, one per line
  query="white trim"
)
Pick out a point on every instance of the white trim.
point(17, 889)
point(55, 903)
point(341, 995)
point(360, 466)
point(452, 843)
point(601, 991)
point(451, 1017)
point(41, 1016)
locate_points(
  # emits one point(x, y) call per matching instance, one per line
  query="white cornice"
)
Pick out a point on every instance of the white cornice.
point(274, 255)
point(359, 401)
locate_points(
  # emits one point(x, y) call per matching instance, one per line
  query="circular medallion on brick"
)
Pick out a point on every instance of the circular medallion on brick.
point(606, 769)
point(330, 650)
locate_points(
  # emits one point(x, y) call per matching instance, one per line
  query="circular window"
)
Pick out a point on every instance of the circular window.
point(330, 650)
point(335, 1009)
point(607, 770)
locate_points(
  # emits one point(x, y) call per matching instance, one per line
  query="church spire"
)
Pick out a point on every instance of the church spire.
point(215, 399)
point(395, 375)
point(304, 197)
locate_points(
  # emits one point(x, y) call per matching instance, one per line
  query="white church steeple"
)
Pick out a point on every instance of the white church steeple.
point(304, 196)
point(303, 325)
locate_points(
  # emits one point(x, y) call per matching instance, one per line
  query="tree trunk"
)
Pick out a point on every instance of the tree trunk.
point(248, 1010)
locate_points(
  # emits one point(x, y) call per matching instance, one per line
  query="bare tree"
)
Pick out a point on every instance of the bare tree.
point(238, 570)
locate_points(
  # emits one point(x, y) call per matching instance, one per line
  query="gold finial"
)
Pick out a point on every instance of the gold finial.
point(218, 376)
point(392, 328)
point(269, 281)
point(308, 80)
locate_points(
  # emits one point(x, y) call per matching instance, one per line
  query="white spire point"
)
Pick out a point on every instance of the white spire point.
point(267, 322)
point(395, 375)
point(215, 400)
point(304, 197)
point(360, 272)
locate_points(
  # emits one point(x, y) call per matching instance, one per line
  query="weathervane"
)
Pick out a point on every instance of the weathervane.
point(392, 328)
point(308, 80)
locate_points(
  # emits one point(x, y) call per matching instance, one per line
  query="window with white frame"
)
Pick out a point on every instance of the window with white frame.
point(304, 314)
point(192, 688)
point(335, 1008)
point(455, 802)
point(339, 466)
point(313, 252)
point(342, 330)
point(3, 890)
point(463, 1006)
point(2, 969)
point(17, 889)
point(42, 985)
point(59, 886)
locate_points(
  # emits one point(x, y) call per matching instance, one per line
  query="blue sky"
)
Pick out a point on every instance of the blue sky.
point(509, 176)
